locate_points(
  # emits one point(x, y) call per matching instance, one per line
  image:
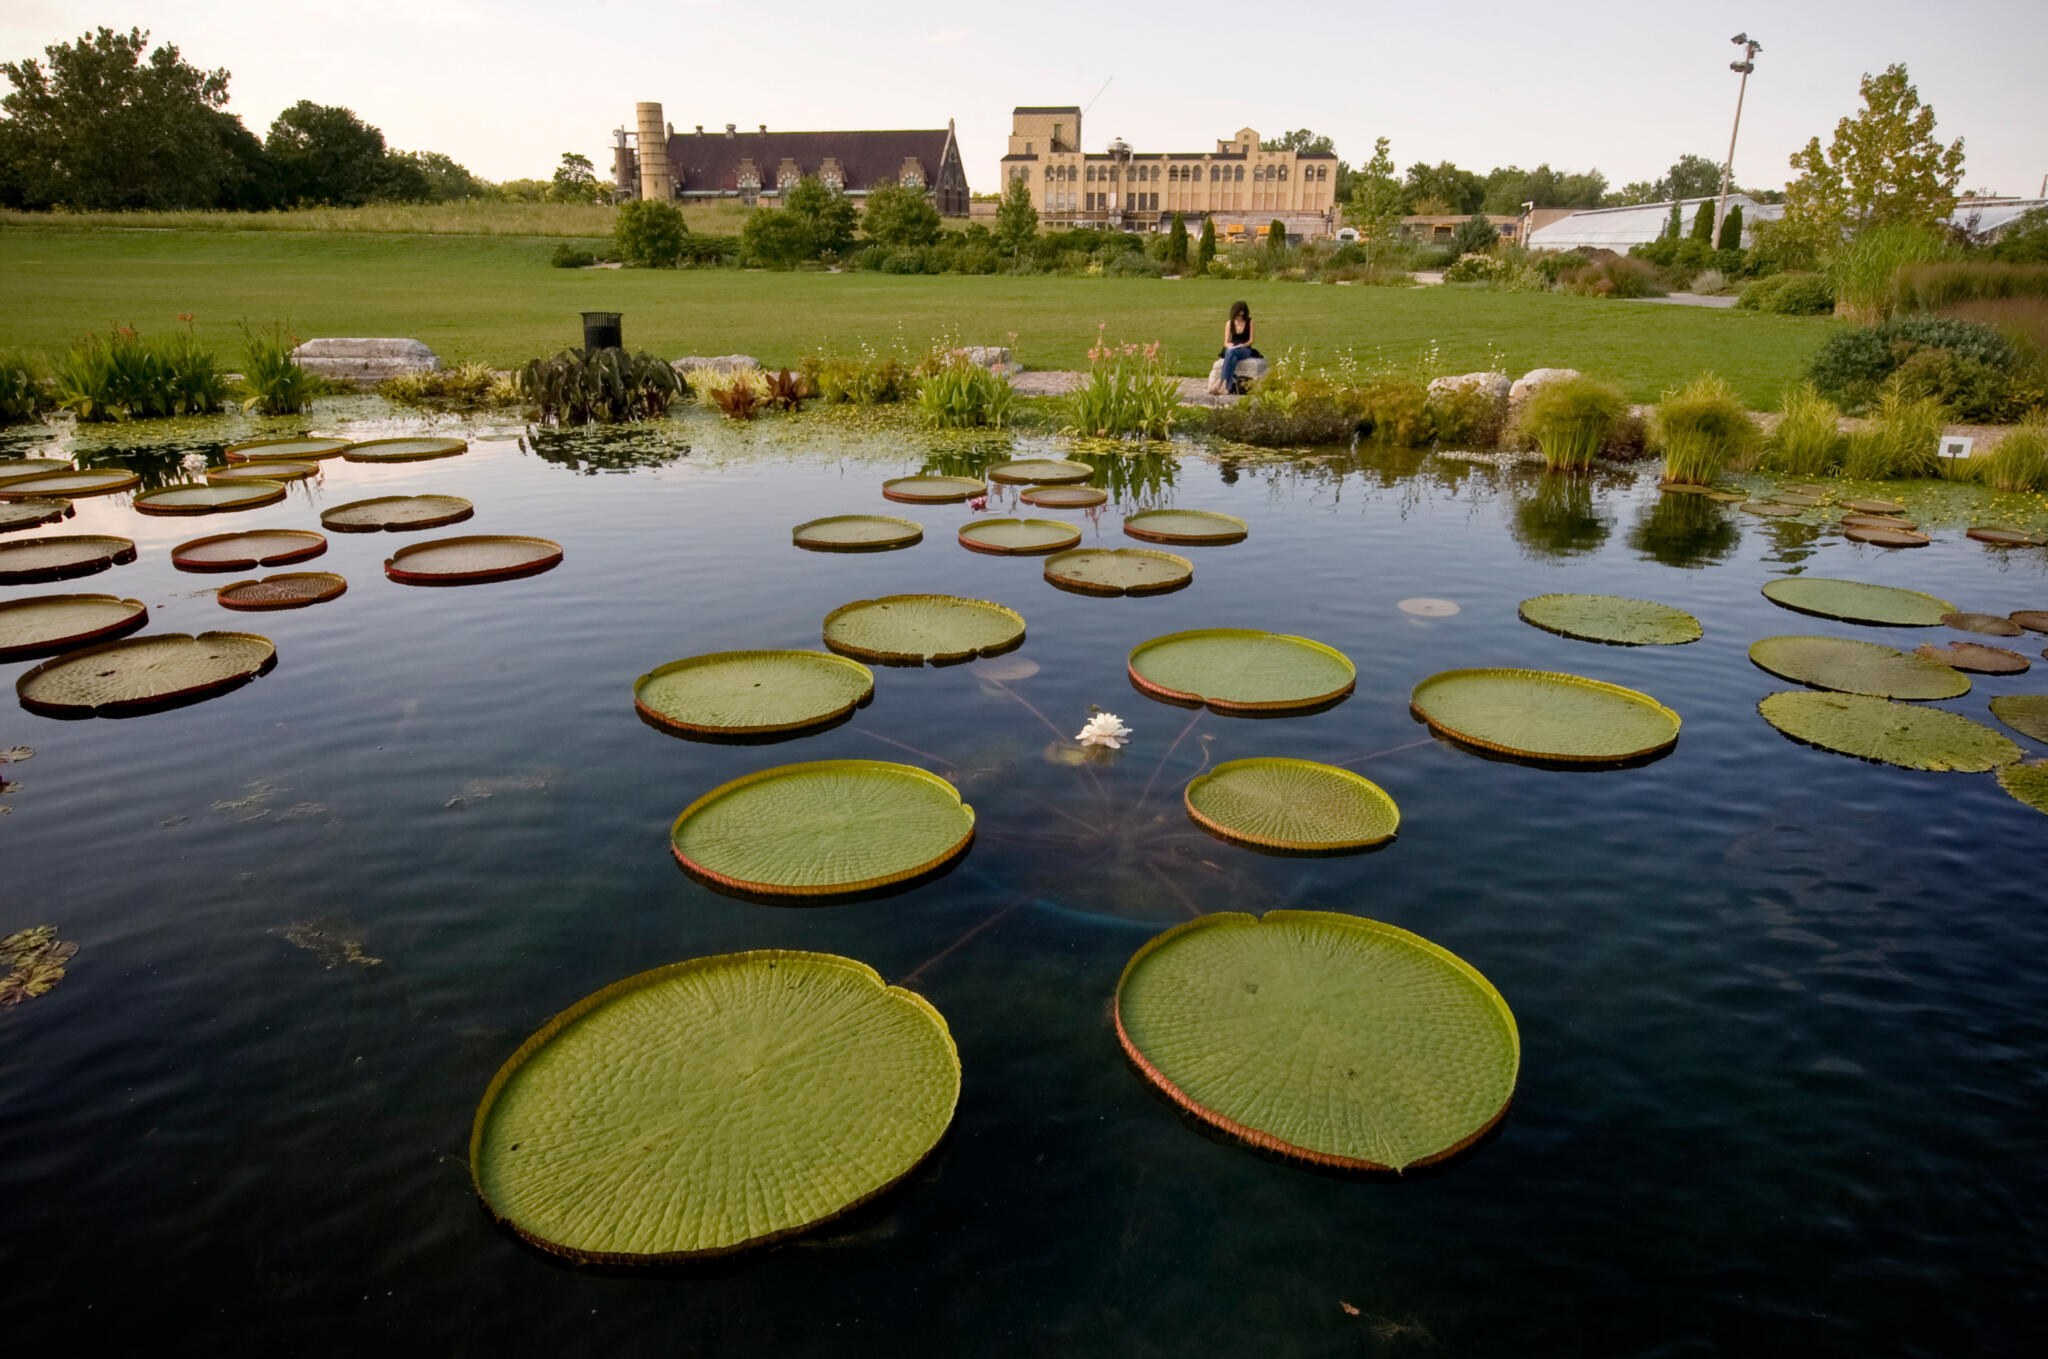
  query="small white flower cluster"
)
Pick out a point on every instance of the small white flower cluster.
point(1104, 729)
point(195, 463)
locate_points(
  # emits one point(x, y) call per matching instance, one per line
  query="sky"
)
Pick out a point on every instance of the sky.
point(506, 86)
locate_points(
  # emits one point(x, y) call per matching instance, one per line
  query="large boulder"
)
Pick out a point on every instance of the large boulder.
point(1248, 372)
point(992, 356)
point(365, 362)
point(722, 363)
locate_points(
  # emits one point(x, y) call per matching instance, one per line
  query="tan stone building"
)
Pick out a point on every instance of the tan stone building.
point(1240, 184)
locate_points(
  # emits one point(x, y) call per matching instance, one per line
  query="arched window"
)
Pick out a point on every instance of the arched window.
point(1239, 174)
point(1215, 173)
point(1283, 172)
point(1322, 172)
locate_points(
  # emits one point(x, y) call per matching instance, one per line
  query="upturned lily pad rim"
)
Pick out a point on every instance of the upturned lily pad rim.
point(309, 446)
point(20, 469)
point(669, 722)
point(603, 996)
point(116, 551)
point(1226, 705)
point(1267, 1141)
point(330, 518)
point(1068, 536)
point(1055, 574)
point(1064, 497)
point(1997, 535)
point(312, 545)
point(1757, 659)
point(846, 648)
point(1560, 677)
point(270, 469)
point(1231, 529)
point(429, 448)
point(909, 533)
point(1978, 658)
point(110, 481)
point(256, 494)
point(36, 512)
point(1785, 583)
point(823, 890)
point(1873, 505)
point(153, 702)
point(532, 567)
point(955, 489)
point(137, 616)
point(332, 586)
point(1581, 636)
point(1053, 472)
point(2033, 620)
point(1936, 714)
point(1364, 786)
point(1983, 624)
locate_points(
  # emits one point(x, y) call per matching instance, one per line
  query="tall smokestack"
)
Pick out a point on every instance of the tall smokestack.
point(655, 181)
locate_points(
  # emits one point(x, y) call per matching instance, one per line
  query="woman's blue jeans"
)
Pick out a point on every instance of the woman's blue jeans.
point(1233, 356)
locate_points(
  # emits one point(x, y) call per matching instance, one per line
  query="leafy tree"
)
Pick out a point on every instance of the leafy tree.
point(826, 214)
point(1442, 186)
point(1703, 222)
point(1377, 201)
point(576, 181)
point(1510, 186)
point(1475, 236)
point(2026, 240)
point(1690, 177)
point(899, 216)
point(650, 233)
point(1633, 194)
point(1016, 219)
point(1177, 243)
point(1675, 227)
point(325, 154)
point(1731, 229)
point(1883, 165)
point(445, 180)
point(1206, 250)
point(522, 190)
point(775, 239)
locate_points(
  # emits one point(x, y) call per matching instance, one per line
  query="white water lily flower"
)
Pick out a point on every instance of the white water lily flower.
point(194, 463)
point(1104, 729)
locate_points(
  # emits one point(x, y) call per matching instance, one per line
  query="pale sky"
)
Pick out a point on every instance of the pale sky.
point(506, 86)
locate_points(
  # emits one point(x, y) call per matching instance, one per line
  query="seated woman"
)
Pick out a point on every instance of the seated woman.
point(1237, 344)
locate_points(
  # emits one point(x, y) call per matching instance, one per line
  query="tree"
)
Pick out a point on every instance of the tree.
point(576, 181)
point(1177, 243)
point(1639, 192)
point(775, 240)
point(1675, 227)
point(1691, 177)
point(1206, 250)
point(1703, 222)
point(1510, 186)
point(899, 216)
point(445, 180)
point(1016, 219)
point(1731, 229)
point(650, 233)
point(1376, 201)
point(826, 214)
point(1276, 236)
point(1475, 236)
point(325, 154)
point(1883, 165)
point(1442, 186)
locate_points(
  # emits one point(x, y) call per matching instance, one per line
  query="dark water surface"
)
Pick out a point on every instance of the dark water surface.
point(1784, 1048)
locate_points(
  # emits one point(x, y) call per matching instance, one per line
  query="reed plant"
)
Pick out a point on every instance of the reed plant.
point(965, 395)
point(1571, 420)
point(1902, 438)
point(275, 383)
point(1702, 428)
point(608, 386)
point(1865, 270)
point(126, 376)
point(1808, 441)
point(24, 385)
point(2019, 461)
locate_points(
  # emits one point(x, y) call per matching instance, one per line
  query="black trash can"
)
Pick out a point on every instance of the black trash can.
point(601, 330)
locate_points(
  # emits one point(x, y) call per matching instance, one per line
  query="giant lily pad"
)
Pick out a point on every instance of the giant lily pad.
point(210, 499)
point(1319, 1036)
point(733, 693)
point(28, 514)
point(403, 450)
point(827, 828)
point(857, 533)
point(1880, 730)
point(58, 558)
point(47, 623)
point(2026, 714)
point(1611, 619)
point(1118, 571)
point(1064, 497)
point(1772, 509)
point(288, 590)
point(286, 450)
point(267, 470)
point(18, 469)
point(2027, 783)
point(243, 551)
point(1039, 472)
point(1999, 535)
point(69, 484)
point(932, 490)
point(1873, 506)
point(460, 561)
point(1545, 715)
point(1241, 670)
point(1976, 658)
point(32, 962)
point(1018, 537)
point(2033, 620)
point(1886, 537)
point(396, 513)
point(1877, 521)
point(1855, 602)
point(1292, 804)
point(1986, 624)
point(910, 629)
point(712, 1105)
point(139, 673)
point(1855, 667)
point(1186, 526)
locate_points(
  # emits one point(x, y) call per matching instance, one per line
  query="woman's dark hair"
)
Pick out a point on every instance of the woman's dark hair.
point(1238, 309)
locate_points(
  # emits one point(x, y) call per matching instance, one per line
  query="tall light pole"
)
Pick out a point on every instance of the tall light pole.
point(1750, 48)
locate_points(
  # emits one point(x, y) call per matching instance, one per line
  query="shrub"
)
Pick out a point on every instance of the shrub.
point(964, 395)
point(1177, 243)
point(1475, 236)
point(2019, 462)
point(607, 387)
point(1432, 257)
point(568, 256)
point(1852, 366)
point(1969, 388)
point(24, 385)
point(1901, 440)
point(1703, 224)
point(897, 215)
point(1808, 440)
point(1276, 236)
point(1701, 428)
point(773, 239)
point(123, 376)
point(1395, 411)
point(2025, 240)
point(1618, 276)
point(1571, 420)
point(466, 387)
point(1731, 230)
point(1473, 268)
point(1865, 270)
point(650, 233)
point(1283, 423)
point(275, 382)
point(1933, 287)
point(1464, 417)
point(1206, 250)
point(1556, 264)
point(1789, 295)
point(785, 390)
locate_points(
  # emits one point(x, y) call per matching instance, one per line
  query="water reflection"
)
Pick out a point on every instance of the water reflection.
point(1687, 531)
point(591, 449)
point(1560, 517)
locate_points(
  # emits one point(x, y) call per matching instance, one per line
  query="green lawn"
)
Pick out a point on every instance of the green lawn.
point(494, 298)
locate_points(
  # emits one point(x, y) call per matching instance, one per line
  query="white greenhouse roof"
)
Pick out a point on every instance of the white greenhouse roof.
point(1620, 228)
point(1992, 217)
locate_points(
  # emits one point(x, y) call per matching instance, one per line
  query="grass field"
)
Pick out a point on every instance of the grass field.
point(492, 297)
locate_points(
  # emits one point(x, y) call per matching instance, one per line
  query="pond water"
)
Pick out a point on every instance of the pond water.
point(1784, 1082)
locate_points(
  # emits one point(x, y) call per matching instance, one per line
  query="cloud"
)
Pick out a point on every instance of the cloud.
point(949, 35)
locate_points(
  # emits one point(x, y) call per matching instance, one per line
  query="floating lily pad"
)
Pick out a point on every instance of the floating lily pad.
point(745, 692)
point(209, 499)
point(1855, 602)
point(1039, 471)
point(1424, 607)
point(19, 469)
point(1772, 509)
point(2027, 783)
point(1118, 571)
point(32, 962)
point(932, 490)
point(68, 484)
point(286, 450)
point(1186, 526)
point(2026, 714)
point(1727, 497)
point(1878, 521)
point(828, 828)
point(1988, 624)
point(1854, 667)
point(2033, 620)
point(1064, 497)
point(857, 533)
point(27, 514)
point(911, 629)
point(1611, 619)
point(1999, 535)
point(290, 590)
point(1682, 488)
point(61, 557)
point(1868, 505)
point(1976, 658)
point(403, 450)
point(1323, 1037)
point(1241, 670)
point(1545, 715)
point(244, 551)
point(267, 470)
point(1292, 804)
point(48, 623)
point(138, 673)
point(1006, 668)
point(460, 561)
point(1886, 537)
point(1803, 499)
point(1018, 537)
point(1880, 730)
point(397, 513)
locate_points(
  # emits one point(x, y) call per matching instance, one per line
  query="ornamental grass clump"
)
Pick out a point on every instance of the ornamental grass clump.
point(2020, 460)
point(123, 376)
point(1808, 441)
point(24, 385)
point(1572, 420)
point(1701, 428)
point(465, 387)
point(609, 386)
point(275, 383)
point(1902, 439)
point(961, 394)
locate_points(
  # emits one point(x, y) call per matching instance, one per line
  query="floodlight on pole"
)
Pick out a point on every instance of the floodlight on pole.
point(1750, 47)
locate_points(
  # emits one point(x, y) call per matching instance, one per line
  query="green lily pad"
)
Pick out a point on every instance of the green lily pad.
point(2027, 783)
point(1855, 667)
point(1545, 715)
point(289, 590)
point(1880, 730)
point(1323, 1037)
point(1611, 619)
point(1118, 571)
point(267, 470)
point(1064, 497)
point(397, 513)
point(27, 514)
point(1873, 506)
point(1855, 602)
point(68, 484)
point(481, 557)
point(1772, 509)
point(2026, 714)
point(1803, 499)
point(1682, 488)
point(1241, 670)
point(912, 629)
point(1292, 804)
point(245, 551)
point(857, 533)
point(1976, 658)
point(1018, 537)
point(63, 556)
point(1985, 624)
point(1186, 526)
point(209, 499)
point(932, 490)
point(403, 450)
point(1885, 537)
point(138, 673)
point(48, 623)
point(286, 450)
point(33, 962)
point(713, 1105)
point(827, 828)
point(18, 469)
point(1998, 535)
point(732, 693)
point(1039, 472)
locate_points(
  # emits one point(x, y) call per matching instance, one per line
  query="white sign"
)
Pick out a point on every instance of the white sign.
point(1955, 446)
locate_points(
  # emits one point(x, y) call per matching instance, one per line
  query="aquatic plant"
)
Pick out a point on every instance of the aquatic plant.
point(1808, 440)
point(45, 624)
point(1702, 429)
point(751, 693)
point(1901, 439)
point(1850, 666)
point(1018, 537)
point(1888, 732)
point(2019, 461)
point(33, 961)
point(472, 558)
point(608, 386)
point(1128, 393)
point(785, 390)
point(1104, 729)
point(275, 383)
point(465, 387)
point(1186, 526)
point(857, 533)
point(1545, 715)
point(1241, 670)
point(964, 395)
point(1611, 619)
point(1855, 601)
point(141, 673)
point(1038, 472)
point(24, 385)
point(916, 629)
point(403, 450)
point(124, 376)
point(1299, 806)
point(1571, 420)
point(866, 378)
